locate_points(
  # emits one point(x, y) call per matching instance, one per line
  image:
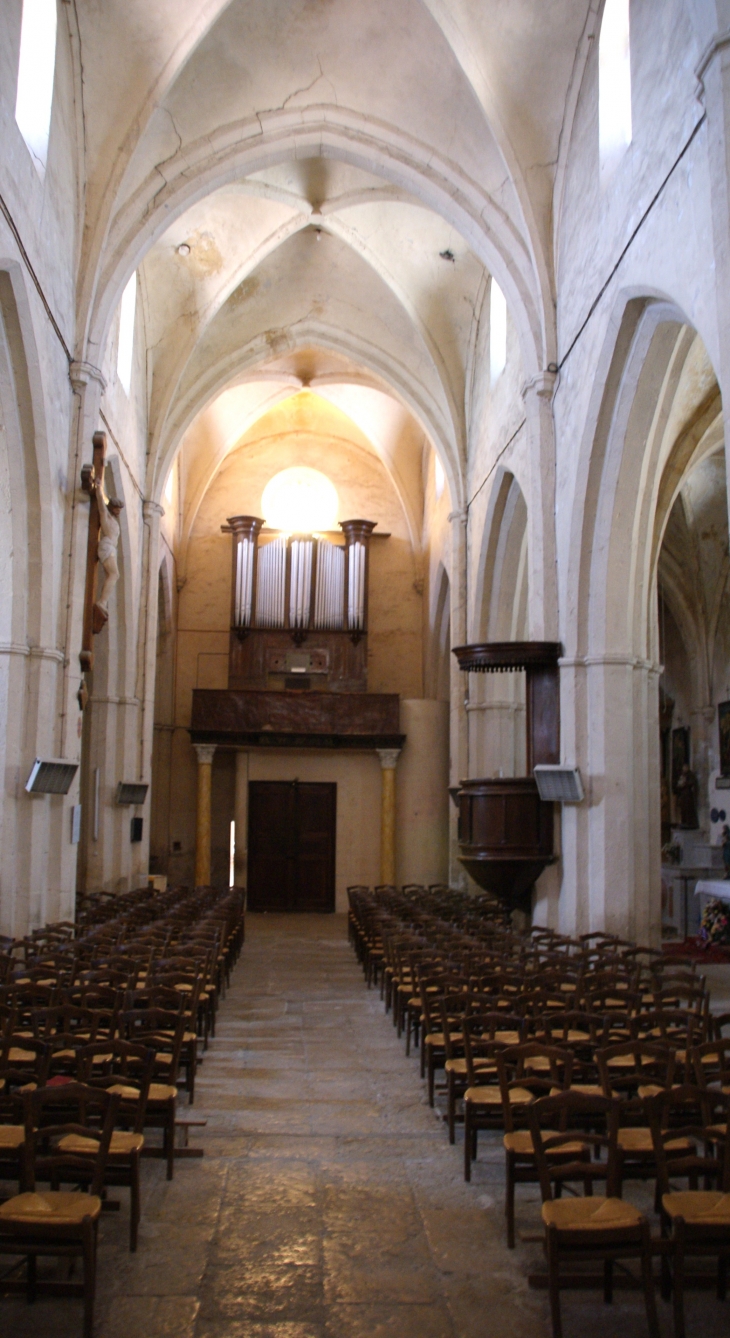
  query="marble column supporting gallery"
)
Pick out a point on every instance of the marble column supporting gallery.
point(388, 762)
point(205, 753)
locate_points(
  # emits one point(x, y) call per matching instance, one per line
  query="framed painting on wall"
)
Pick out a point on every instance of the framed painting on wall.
point(723, 721)
point(680, 753)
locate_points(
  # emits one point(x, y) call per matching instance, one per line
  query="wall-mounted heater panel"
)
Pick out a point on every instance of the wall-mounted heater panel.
point(51, 776)
point(563, 785)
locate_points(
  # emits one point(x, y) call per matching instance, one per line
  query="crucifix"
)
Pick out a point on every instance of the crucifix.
point(101, 548)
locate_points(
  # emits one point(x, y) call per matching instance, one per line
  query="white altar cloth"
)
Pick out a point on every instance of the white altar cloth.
point(713, 887)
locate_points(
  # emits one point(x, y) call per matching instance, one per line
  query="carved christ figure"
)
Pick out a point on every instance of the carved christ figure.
point(109, 510)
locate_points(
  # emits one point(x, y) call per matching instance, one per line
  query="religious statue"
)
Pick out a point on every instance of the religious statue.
point(726, 849)
point(109, 509)
point(686, 792)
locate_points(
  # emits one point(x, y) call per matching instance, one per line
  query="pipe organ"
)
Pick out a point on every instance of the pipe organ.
point(299, 608)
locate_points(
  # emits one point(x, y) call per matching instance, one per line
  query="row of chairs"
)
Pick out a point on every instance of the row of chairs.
point(100, 1028)
point(518, 1021)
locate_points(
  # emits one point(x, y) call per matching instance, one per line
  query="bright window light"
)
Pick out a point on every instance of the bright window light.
point(497, 331)
point(125, 351)
point(614, 84)
point(36, 68)
point(300, 501)
point(232, 856)
point(168, 488)
point(439, 478)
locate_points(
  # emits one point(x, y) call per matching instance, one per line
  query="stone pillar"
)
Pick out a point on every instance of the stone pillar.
point(458, 726)
point(713, 80)
point(542, 617)
point(388, 762)
point(152, 513)
point(240, 816)
point(205, 753)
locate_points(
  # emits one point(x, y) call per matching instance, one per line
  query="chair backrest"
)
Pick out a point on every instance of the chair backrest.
point(569, 1111)
point(627, 1065)
point(96, 1113)
point(690, 1113)
point(124, 1067)
point(711, 1063)
point(535, 1068)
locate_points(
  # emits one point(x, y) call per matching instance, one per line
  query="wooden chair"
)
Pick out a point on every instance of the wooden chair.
point(163, 1033)
point(593, 1227)
point(631, 1072)
point(695, 1221)
point(538, 1070)
point(124, 1068)
point(58, 1222)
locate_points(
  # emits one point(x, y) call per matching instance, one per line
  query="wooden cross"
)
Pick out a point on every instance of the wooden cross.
point(91, 474)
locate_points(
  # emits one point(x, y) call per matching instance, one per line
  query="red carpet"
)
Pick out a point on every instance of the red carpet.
point(693, 949)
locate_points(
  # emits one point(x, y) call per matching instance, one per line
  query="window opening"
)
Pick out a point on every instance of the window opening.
point(614, 84)
point(125, 351)
point(36, 68)
point(232, 855)
point(497, 331)
point(300, 500)
point(439, 478)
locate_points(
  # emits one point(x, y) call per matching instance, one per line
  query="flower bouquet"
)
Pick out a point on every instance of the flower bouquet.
point(715, 924)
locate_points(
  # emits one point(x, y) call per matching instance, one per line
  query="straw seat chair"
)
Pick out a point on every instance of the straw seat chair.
point(58, 1222)
point(594, 1227)
point(696, 1221)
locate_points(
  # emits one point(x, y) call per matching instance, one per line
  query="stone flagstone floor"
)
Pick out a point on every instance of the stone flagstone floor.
point(329, 1203)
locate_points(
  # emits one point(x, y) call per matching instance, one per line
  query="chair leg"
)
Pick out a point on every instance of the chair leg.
point(647, 1275)
point(509, 1200)
point(31, 1271)
point(134, 1204)
point(89, 1277)
point(554, 1281)
point(722, 1277)
point(431, 1076)
point(467, 1141)
point(678, 1236)
point(608, 1281)
point(451, 1106)
point(169, 1144)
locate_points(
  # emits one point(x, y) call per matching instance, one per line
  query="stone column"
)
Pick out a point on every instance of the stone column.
point(240, 815)
point(458, 726)
point(388, 762)
point(152, 513)
point(205, 753)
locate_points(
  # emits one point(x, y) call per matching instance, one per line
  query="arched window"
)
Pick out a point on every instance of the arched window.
point(497, 332)
point(614, 84)
point(36, 68)
point(125, 350)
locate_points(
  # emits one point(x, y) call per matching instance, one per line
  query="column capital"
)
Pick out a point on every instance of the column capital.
point(205, 753)
point(541, 386)
point(150, 509)
point(388, 758)
point(462, 516)
point(719, 43)
point(80, 373)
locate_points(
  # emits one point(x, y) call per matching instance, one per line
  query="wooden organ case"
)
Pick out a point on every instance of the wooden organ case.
point(299, 608)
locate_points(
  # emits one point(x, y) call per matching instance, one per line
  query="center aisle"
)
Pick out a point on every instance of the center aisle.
point(341, 1206)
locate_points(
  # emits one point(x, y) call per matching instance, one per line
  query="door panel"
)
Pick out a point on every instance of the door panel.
point(291, 846)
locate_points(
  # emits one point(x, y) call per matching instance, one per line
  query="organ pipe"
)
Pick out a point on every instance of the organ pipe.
point(297, 581)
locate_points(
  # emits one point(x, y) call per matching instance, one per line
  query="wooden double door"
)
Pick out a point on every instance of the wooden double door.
point(291, 846)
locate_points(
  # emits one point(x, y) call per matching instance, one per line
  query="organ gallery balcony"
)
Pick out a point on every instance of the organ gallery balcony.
point(353, 720)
